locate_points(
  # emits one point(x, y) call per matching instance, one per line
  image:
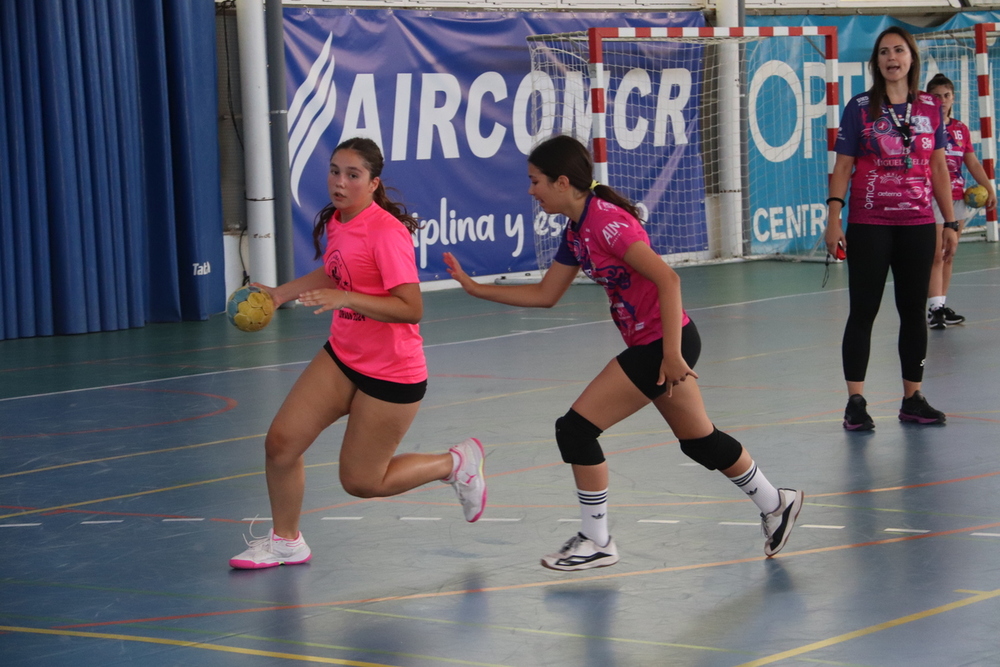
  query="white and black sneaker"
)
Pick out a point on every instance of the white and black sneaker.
point(777, 525)
point(582, 553)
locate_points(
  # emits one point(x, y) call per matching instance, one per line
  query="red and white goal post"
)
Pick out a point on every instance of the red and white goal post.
point(723, 136)
point(970, 57)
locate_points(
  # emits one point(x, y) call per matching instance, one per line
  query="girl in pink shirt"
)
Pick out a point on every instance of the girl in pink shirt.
point(958, 153)
point(371, 368)
point(605, 239)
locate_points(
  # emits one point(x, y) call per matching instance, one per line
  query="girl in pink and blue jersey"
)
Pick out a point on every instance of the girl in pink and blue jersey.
point(959, 153)
point(891, 150)
point(605, 239)
point(371, 368)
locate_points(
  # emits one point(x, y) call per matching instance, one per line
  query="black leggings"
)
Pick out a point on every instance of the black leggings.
point(871, 251)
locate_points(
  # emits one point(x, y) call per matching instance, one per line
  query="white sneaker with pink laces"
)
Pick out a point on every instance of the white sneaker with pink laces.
point(467, 478)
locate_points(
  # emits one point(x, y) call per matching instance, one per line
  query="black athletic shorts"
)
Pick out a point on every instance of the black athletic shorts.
point(383, 390)
point(642, 362)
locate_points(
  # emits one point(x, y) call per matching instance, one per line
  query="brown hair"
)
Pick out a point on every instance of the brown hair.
point(877, 95)
point(563, 155)
point(371, 155)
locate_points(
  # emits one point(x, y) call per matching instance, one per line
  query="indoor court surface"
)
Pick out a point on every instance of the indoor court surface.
point(131, 464)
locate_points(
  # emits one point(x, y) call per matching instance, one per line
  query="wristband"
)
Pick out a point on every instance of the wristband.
point(830, 199)
point(951, 225)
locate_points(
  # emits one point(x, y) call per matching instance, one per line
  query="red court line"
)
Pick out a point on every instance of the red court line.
point(535, 584)
point(230, 404)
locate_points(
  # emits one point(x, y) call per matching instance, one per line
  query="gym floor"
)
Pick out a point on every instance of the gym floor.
point(131, 466)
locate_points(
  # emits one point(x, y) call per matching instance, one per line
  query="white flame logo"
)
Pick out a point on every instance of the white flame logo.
point(310, 113)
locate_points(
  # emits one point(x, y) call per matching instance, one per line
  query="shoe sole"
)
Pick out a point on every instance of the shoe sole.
point(923, 421)
point(604, 562)
point(251, 565)
point(858, 427)
point(800, 498)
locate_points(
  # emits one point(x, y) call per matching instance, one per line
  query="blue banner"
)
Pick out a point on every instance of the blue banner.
point(787, 211)
point(445, 95)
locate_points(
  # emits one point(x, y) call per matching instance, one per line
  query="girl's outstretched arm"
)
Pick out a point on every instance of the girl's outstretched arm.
point(544, 294)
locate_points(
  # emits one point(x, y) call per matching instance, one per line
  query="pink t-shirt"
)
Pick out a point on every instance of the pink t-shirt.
point(597, 244)
point(884, 190)
point(959, 143)
point(371, 254)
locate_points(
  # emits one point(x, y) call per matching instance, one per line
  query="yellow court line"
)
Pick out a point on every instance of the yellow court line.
point(128, 456)
point(839, 639)
point(199, 645)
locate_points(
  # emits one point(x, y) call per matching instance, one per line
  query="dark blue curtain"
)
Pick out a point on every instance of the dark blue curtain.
point(110, 206)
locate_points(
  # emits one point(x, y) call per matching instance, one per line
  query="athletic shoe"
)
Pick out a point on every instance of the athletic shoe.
point(856, 417)
point(468, 479)
point(951, 318)
point(581, 553)
point(777, 525)
point(936, 320)
point(917, 409)
point(271, 551)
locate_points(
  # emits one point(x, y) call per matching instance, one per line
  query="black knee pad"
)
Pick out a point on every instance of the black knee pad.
point(577, 440)
point(717, 451)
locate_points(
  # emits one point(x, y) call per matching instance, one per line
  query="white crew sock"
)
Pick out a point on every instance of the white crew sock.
point(761, 492)
point(594, 515)
point(935, 302)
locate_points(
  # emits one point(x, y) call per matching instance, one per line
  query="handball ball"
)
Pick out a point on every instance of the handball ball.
point(976, 196)
point(250, 308)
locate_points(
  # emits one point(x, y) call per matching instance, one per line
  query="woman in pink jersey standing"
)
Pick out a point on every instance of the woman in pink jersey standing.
point(371, 368)
point(959, 153)
point(891, 150)
point(604, 237)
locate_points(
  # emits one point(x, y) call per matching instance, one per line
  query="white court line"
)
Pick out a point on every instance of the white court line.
point(976, 534)
point(818, 525)
point(738, 523)
point(419, 518)
point(191, 519)
point(18, 525)
point(493, 518)
point(93, 523)
point(257, 518)
point(342, 518)
point(658, 521)
point(906, 530)
point(570, 520)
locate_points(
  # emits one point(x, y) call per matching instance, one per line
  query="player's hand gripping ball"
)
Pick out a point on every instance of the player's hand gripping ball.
point(976, 196)
point(250, 308)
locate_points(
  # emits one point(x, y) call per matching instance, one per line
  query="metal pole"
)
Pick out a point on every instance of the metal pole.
point(283, 229)
point(256, 141)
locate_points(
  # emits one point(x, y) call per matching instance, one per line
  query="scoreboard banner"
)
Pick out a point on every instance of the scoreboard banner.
point(446, 97)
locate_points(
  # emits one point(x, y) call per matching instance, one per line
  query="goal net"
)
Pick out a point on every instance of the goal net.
point(970, 57)
point(722, 136)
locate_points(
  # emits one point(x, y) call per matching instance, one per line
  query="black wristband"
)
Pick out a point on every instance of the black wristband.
point(951, 225)
point(830, 199)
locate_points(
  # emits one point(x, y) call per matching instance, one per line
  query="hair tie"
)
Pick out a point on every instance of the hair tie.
point(594, 184)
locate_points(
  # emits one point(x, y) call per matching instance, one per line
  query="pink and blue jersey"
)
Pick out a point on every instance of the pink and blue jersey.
point(959, 143)
point(885, 190)
point(597, 244)
point(371, 254)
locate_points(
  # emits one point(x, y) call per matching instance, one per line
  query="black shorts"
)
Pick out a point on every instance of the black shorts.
point(642, 362)
point(383, 390)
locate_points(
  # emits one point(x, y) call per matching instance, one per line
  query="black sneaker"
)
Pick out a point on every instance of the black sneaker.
point(951, 318)
point(935, 318)
point(856, 417)
point(917, 409)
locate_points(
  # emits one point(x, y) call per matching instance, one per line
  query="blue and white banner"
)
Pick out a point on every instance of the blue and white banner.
point(786, 217)
point(446, 96)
